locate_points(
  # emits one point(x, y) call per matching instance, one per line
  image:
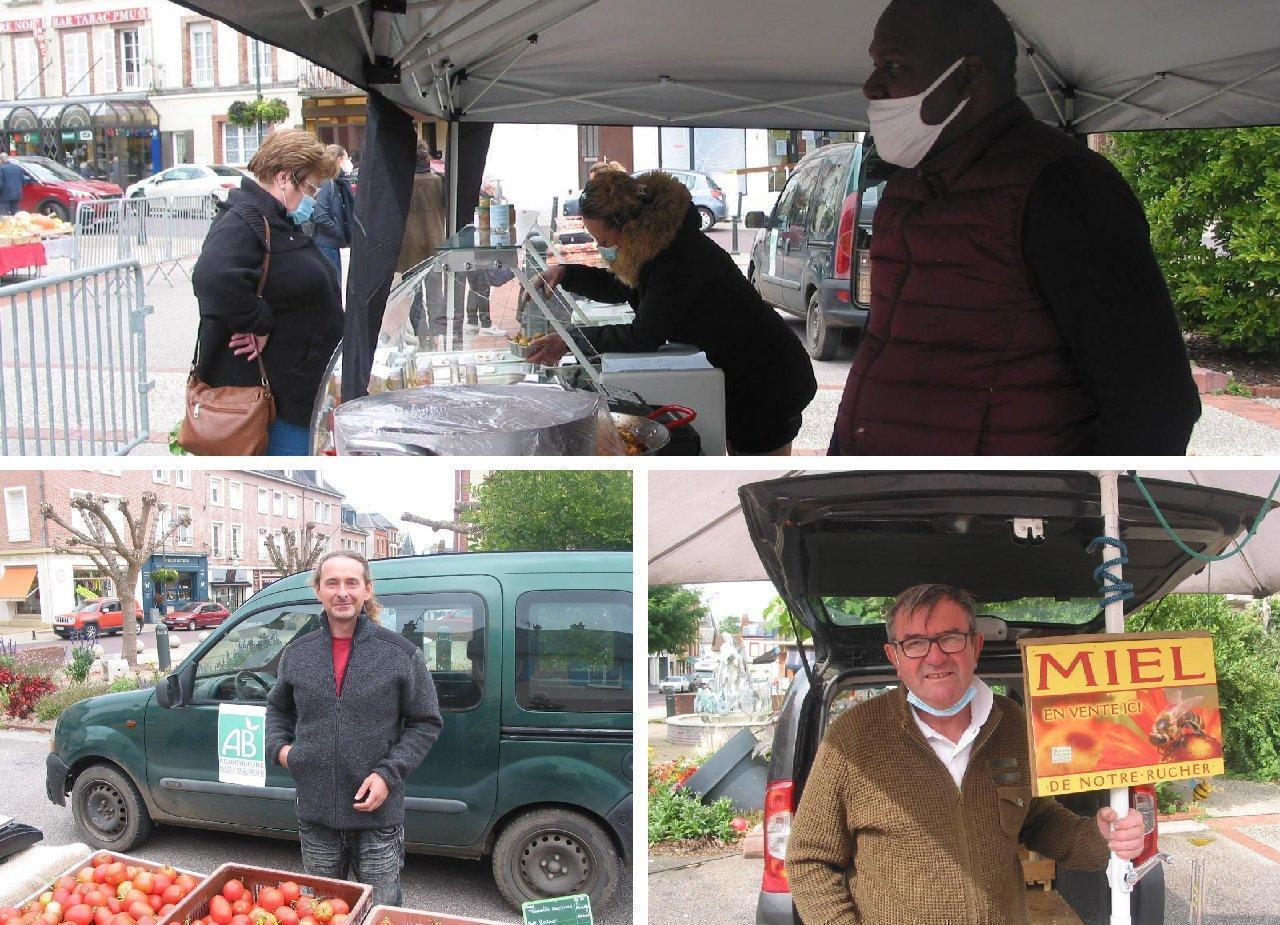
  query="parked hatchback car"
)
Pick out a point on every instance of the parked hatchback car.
point(708, 197)
point(97, 617)
point(531, 656)
point(818, 233)
point(839, 547)
point(52, 189)
point(215, 180)
point(196, 615)
point(679, 684)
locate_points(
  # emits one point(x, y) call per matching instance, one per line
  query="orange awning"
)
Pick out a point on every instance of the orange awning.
point(15, 584)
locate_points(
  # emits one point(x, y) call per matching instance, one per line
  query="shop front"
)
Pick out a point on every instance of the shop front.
point(192, 583)
point(20, 131)
point(19, 592)
point(115, 140)
point(230, 585)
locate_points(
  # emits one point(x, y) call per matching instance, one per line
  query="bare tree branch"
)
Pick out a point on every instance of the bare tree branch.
point(452, 526)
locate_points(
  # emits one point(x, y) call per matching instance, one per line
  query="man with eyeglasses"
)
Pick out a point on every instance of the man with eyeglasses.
point(918, 798)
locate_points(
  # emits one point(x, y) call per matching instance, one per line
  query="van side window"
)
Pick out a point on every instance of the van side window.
point(252, 647)
point(829, 196)
point(573, 651)
point(449, 629)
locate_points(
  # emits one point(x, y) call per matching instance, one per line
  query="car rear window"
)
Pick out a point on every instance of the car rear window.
point(858, 611)
point(573, 651)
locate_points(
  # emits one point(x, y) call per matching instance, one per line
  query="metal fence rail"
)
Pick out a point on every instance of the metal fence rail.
point(158, 233)
point(73, 358)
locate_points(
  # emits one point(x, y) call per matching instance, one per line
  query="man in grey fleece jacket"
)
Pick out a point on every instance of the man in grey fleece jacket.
point(352, 713)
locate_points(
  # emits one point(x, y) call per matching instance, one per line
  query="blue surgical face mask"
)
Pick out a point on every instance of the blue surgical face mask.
point(610, 254)
point(949, 711)
point(303, 212)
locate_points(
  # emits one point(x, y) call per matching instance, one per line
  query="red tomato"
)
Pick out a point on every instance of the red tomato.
point(133, 870)
point(292, 892)
point(65, 882)
point(307, 920)
point(241, 919)
point(61, 895)
point(51, 918)
point(166, 909)
point(172, 894)
point(122, 919)
point(187, 882)
point(303, 906)
point(100, 874)
point(147, 920)
point(339, 906)
point(139, 908)
point(286, 916)
point(8, 912)
point(155, 901)
point(338, 920)
point(145, 882)
point(115, 874)
point(101, 858)
point(270, 898)
point(233, 890)
point(242, 906)
point(220, 910)
point(101, 916)
point(78, 915)
point(114, 905)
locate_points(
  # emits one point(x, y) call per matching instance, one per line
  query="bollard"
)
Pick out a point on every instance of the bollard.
point(162, 647)
point(671, 704)
point(734, 222)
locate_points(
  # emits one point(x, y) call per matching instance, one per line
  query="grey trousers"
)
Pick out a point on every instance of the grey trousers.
point(370, 856)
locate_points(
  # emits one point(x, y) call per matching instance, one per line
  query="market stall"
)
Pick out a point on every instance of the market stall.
point(28, 242)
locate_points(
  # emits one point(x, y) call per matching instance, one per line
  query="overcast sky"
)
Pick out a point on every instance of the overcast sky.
point(391, 489)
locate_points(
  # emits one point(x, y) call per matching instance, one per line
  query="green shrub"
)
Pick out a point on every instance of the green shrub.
point(1169, 799)
point(50, 706)
point(1248, 665)
point(676, 813)
point(125, 683)
point(82, 659)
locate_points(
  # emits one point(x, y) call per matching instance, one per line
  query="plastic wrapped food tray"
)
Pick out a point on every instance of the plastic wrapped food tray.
point(196, 905)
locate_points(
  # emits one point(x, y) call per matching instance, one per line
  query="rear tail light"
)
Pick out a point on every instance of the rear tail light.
point(779, 804)
point(228, 185)
point(845, 235)
point(717, 194)
point(1143, 800)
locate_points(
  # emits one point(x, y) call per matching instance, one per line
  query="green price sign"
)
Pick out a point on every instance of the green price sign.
point(563, 910)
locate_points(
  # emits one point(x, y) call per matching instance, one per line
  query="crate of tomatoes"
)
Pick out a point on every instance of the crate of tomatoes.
point(394, 915)
point(237, 894)
point(107, 889)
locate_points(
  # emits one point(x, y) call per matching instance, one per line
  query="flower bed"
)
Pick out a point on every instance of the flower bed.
point(680, 821)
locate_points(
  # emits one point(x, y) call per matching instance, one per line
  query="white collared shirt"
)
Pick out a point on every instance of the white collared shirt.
point(955, 755)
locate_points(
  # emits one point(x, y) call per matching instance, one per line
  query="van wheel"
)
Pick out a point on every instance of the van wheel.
point(706, 219)
point(554, 852)
point(108, 809)
point(821, 342)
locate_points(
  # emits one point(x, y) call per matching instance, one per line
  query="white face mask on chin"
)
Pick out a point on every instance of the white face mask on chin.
point(902, 136)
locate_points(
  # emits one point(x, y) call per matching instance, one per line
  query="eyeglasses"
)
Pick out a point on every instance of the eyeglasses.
point(303, 183)
point(919, 646)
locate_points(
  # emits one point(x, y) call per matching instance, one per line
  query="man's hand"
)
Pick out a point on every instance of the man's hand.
point(372, 794)
point(548, 349)
point(248, 345)
point(1124, 837)
point(283, 757)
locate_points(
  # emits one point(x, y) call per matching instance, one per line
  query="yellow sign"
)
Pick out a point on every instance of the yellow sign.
point(1121, 710)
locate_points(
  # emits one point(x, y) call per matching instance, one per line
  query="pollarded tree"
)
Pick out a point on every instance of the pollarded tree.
point(301, 549)
point(118, 545)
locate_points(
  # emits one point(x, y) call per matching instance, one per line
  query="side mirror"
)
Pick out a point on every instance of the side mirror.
point(168, 692)
point(756, 219)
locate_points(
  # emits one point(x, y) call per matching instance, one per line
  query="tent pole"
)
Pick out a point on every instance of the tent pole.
point(452, 164)
point(1108, 483)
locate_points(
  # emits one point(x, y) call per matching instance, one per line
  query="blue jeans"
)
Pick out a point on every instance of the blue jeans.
point(373, 857)
point(9, 206)
point(285, 439)
point(335, 257)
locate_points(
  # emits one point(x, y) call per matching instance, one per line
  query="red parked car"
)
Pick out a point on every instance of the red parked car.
point(196, 615)
point(98, 617)
point(52, 189)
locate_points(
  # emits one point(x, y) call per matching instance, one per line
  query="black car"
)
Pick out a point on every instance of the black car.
point(818, 233)
point(838, 546)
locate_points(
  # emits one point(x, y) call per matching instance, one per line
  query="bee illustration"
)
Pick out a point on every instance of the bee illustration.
point(1179, 733)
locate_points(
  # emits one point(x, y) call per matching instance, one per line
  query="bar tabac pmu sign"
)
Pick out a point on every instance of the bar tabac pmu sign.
point(1121, 710)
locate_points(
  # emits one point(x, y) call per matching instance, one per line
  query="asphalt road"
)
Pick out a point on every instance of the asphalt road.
point(111, 645)
point(442, 885)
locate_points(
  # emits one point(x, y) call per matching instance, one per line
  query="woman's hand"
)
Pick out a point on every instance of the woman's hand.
point(248, 345)
point(549, 279)
point(547, 349)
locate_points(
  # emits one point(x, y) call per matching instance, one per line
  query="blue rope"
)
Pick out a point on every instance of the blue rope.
point(1112, 586)
point(1240, 544)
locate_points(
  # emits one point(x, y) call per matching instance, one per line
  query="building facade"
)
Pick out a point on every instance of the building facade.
point(221, 556)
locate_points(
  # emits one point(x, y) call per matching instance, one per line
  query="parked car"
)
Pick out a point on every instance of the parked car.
point(816, 235)
point(1018, 542)
point(680, 683)
point(97, 617)
point(196, 615)
point(708, 197)
point(531, 656)
point(215, 180)
point(52, 189)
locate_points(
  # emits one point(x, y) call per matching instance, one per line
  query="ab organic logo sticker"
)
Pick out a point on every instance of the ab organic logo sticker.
point(242, 744)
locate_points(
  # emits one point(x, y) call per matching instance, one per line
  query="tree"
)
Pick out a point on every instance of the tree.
point(521, 509)
point(302, 550)
point(118, 546)
point(1212, 198)
point(778, 618)
point(675, 613)
point(730, 626)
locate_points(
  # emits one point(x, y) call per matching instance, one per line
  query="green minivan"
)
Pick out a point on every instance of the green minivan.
point(531, 656)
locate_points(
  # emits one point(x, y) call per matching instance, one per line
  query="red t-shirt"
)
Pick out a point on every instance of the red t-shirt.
point(341, 652)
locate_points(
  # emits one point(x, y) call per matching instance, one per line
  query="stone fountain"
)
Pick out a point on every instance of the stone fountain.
point(729, 704)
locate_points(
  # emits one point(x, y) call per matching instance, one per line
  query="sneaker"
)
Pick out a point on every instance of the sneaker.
point(492, 331)
point(471, 328)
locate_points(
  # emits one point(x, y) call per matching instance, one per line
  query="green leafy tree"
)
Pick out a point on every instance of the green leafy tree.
point(1247, 658)
point(730, 626)
point(779, 619)
point(675, 613)
point(1225, 183)
point(519, 509)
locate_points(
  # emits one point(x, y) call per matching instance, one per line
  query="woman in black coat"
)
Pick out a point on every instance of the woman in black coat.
point(685, 288)
point(298, 321)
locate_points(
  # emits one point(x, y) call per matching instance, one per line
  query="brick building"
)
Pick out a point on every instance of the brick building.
point(222, 556)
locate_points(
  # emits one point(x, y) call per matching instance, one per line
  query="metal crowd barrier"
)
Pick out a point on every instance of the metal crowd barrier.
point(73, 358)
point(158, 233)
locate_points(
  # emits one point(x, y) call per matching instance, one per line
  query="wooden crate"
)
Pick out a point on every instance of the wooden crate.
point(1036, 869)
point(196, 905)
point(399, 916)
point(127, 860)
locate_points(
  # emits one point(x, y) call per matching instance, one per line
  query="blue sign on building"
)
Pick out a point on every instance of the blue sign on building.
point(192, 583)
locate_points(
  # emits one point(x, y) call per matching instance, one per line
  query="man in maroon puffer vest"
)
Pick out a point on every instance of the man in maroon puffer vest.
point(1016, 305)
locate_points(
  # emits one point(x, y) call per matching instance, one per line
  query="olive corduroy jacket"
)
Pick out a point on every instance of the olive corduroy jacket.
point(882, 835)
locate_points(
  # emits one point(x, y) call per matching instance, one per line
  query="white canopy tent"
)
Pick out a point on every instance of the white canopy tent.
point(697, 533)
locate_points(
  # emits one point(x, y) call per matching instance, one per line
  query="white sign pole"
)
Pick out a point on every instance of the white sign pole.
point(1114, 614)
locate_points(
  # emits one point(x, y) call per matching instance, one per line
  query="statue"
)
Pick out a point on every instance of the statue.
point(730, 690)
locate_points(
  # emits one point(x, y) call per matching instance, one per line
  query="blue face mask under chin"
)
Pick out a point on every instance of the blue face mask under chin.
point(304, 210)
point(610, 254)
point(949, 711)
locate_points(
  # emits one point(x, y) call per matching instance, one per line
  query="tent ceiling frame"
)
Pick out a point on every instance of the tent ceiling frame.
point(491, 84)
point(590, 98)
point(712, 91)
point(1232, 87)
point(419, 56)
point(424, 38)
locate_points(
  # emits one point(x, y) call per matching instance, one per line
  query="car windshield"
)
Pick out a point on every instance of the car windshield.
point(224, 171)
point(90, 607)
point(49, 171)
point(855, 611)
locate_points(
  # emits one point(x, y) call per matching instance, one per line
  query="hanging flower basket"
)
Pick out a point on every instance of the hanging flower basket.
point(250, 113)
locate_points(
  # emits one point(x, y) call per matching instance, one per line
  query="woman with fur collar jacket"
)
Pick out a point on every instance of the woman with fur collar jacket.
point(686, 289)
